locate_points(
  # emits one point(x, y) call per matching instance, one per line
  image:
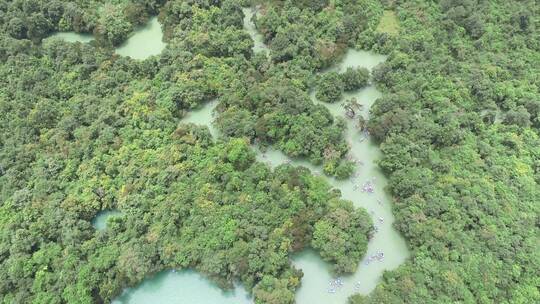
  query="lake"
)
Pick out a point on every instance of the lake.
point(145, 41)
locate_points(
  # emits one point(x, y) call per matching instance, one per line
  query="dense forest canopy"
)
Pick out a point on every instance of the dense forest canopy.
point(84, 129)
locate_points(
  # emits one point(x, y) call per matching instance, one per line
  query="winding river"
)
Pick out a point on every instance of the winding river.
point(317, 277)
point(187, 286)
point(249, 26)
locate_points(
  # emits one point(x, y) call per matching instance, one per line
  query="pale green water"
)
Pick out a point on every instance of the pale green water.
point(203, 114)
point(100, 221)
point(387, 240)
point(249, 26)
point(316, 280)
point(72, 37)
point(181, 287)
point(145, 42)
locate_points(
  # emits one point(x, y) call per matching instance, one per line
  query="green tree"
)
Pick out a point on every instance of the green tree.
point(330, 87)
point(354, 79)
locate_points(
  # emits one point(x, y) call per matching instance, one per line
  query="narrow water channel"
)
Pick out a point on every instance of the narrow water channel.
point(72, 37)
point(187, 286)
point(249, 26)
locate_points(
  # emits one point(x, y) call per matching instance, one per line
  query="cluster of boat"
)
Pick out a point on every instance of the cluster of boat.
point(378, 256)
point(365, 134)
point(368, 187)
point(335, 285)
point(356, 162)
point(338, 283)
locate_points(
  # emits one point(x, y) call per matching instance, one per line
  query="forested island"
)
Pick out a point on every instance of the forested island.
point(106, 180)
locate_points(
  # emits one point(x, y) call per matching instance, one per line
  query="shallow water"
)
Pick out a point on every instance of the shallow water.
point(72, 37)
point(316, 279)
point(203, 114)
point(249, 26)
point(355, 59)
point(186, 286)
point(100, 220)
point(146, 41)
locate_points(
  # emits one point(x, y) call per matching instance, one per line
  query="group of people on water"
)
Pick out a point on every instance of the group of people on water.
point(335, 285)
point(378, 256)
point(368, 187)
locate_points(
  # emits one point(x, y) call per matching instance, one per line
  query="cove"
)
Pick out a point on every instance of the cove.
point(203, 114)
point(145, 41)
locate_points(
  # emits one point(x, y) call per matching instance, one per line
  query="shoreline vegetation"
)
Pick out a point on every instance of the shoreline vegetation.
point(85, 130)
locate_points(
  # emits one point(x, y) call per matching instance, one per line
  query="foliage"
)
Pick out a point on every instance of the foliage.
point(389, 23)
point(330, 88)
point(341, 237)
point(84, 130)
